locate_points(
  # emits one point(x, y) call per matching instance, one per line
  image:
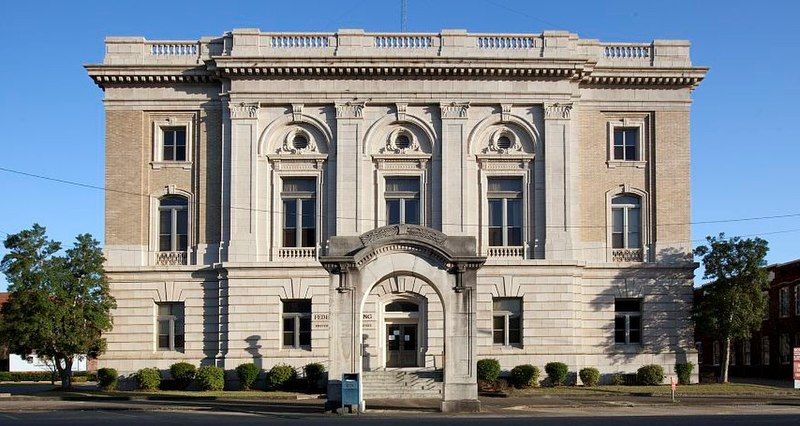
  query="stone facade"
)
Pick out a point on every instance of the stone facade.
point(453, 112)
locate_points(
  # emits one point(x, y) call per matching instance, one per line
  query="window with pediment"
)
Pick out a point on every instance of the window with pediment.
point(296, 147)
point(505, 154)
point(401, 152)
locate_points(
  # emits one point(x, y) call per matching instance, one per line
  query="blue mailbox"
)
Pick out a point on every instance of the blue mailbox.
point(351, 390)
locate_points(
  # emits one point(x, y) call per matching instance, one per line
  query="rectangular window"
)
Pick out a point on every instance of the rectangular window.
point(715, 354)
point(628, 321)
point(785, 349)
point(746, 358)
point(402, 200)
point(297, 323)
point(507, 321)
point(783, 299)
point(765, 350)
point(733, 355)
point(626, 143)
point(173, 224)
point(174, 143)
point(299, 197)
point(626, 222)
point(505, 211)
point(170, 320)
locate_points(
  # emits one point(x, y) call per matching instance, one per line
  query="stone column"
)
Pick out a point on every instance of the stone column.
point(344, 330)
point(349, 218)
point(460, 342)
point(452, 207)
point(242, 246)
point(559, 154)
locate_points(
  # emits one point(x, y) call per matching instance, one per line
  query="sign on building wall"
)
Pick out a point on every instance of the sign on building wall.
point(796, 367)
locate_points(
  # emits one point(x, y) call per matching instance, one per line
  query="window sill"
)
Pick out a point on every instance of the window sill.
point(186, 165)
point(512, 347)
point(296, 348)
point(629, 347)
point(612, 164)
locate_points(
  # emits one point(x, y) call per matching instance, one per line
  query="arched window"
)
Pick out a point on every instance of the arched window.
point(626, 221)
point(173, 223)
point(402, 306)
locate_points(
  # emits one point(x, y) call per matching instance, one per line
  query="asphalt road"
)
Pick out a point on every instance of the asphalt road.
point(121, 418)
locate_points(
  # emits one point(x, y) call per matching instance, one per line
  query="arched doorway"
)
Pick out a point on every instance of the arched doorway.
point(402, 325)
point(446, 265)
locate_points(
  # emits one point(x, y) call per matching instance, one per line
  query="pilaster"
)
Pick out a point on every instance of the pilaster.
point(349, 170)
point(453, 204)
point(559, 157)
point(242, 184)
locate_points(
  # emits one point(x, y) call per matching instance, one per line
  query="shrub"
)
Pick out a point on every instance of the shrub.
point(314, 373)
point(618, 379)
point(650, 375)
point(488, 369)
point(684, 372)
point(247, 374)
point(107, 379)
point(29, 376)
point(182, 374)
point(148, 379)
point(590, 376)
point(524, 376)
point(210, 378)
point(556, 373)
point(281, 376)
point(501, 385)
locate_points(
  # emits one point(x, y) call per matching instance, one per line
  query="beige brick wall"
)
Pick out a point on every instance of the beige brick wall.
point(130, 178)
point(672, 191)
point(664, 177)
point(125, 177)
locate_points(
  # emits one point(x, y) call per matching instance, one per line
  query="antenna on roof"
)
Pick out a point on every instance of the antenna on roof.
point(403, 15)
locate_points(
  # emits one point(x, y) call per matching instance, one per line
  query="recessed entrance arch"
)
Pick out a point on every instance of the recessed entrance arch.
point(402, 325)
point(422, 260)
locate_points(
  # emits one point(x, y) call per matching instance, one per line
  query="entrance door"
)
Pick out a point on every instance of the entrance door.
point(401, 345)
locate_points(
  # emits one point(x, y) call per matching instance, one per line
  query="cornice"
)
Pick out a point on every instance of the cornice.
point(142, 75)
point(646, 76)
point(581, 72)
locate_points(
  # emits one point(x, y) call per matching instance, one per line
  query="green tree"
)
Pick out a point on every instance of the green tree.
point(733, 304)
point(59, 304)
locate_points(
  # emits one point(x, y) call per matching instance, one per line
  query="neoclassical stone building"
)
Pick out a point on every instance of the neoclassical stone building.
point(410, 201)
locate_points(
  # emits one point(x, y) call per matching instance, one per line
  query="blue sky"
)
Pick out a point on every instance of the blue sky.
point(745, 151)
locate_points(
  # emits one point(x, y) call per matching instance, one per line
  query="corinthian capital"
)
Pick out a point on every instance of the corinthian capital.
point(350, 110)
point(557, 111)
point(454, 110)
point(243, 110)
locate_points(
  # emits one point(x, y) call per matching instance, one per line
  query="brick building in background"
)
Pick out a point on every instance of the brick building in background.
point(768, 353)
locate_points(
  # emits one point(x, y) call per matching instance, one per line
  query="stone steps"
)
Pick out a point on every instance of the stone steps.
point(402, 384)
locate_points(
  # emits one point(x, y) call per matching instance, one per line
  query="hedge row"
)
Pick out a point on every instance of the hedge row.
point(526, 375)
point(209, 378)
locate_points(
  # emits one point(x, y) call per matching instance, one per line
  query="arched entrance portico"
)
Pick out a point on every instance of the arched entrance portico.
point(402, 325)
point(418, 258)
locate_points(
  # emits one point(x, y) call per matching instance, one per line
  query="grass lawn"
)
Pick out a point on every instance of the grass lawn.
point(704, 389)
point(83, 392)
point(251, 394)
